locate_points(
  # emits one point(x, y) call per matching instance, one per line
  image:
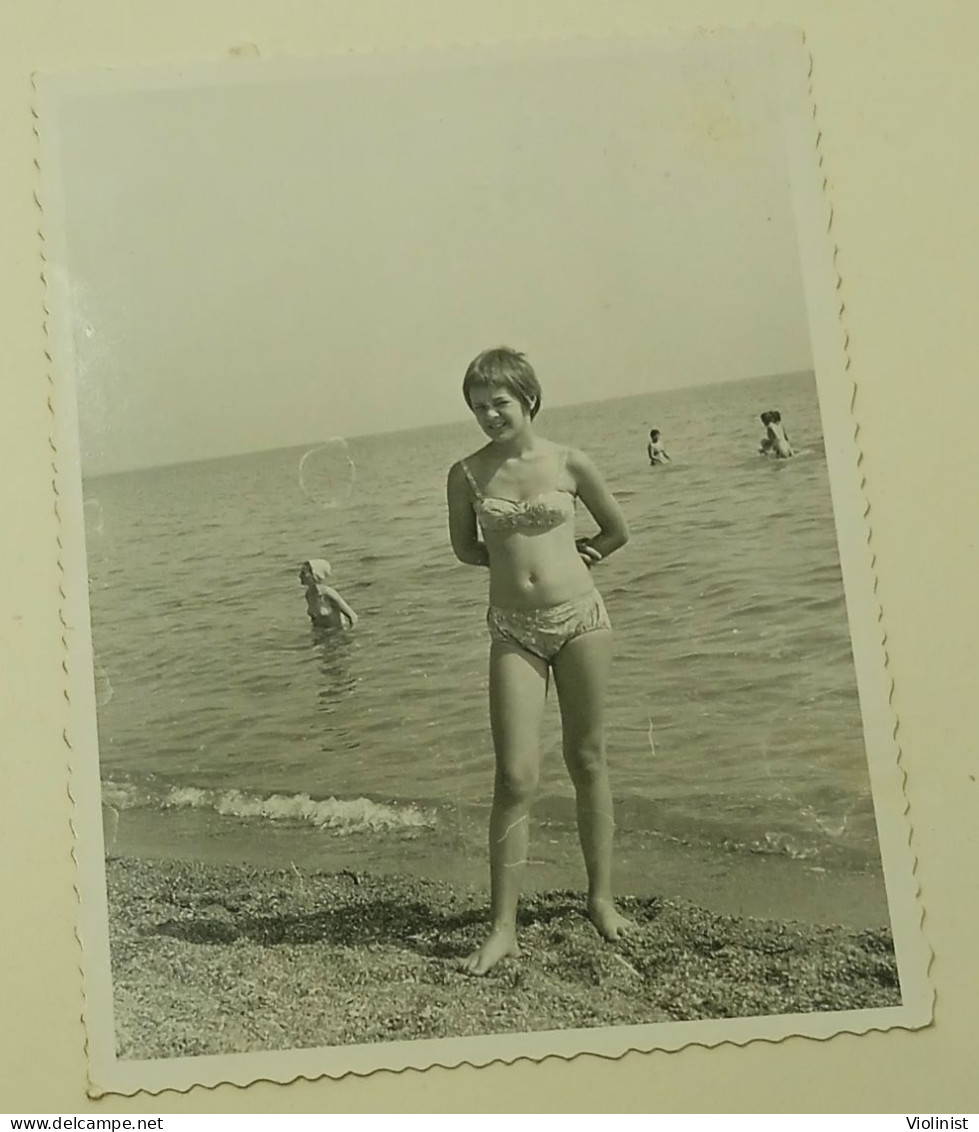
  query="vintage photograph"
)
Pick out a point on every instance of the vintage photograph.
point(464, 575)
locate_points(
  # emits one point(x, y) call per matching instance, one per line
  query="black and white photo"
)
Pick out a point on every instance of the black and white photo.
point(472, 637)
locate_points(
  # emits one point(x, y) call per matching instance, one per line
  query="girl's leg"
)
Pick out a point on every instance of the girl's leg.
point(518, 682)
point(581, 671)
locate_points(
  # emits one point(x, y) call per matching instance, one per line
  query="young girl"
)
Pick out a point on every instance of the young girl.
point(655, 451)
point(518, 492)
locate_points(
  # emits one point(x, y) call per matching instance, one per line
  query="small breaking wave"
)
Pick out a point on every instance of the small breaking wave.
point(775, 845)
point(341, 816)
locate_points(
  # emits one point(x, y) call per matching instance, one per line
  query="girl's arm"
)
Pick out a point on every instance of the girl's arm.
point(613, 530)
point(463, 532)
point(338, 601)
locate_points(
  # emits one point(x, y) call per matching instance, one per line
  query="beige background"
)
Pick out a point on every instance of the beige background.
point(897, 90)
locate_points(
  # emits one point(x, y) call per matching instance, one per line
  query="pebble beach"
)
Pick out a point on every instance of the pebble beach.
point(217, 959)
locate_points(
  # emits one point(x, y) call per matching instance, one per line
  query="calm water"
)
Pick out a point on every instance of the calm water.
point(734, 720)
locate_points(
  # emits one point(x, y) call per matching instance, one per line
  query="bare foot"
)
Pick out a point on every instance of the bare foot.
point(608, 920)
point(500, 943)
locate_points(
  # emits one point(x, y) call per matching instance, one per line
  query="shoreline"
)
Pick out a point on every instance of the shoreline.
point(212, 959)
point(735, 882)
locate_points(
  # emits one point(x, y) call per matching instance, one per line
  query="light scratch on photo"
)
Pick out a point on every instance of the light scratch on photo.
point(103, 686)
point(327, 474)
point(512, 826)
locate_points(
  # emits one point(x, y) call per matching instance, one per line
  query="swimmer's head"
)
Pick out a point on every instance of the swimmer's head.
point(314, 570)
point(654, 434)
point(766, 417)
point(507, 369)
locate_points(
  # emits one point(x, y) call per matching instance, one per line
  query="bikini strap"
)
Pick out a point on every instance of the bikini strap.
point(564, 467)
point(472, 482)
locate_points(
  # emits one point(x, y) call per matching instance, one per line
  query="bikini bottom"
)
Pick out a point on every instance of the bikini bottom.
point(544, 632)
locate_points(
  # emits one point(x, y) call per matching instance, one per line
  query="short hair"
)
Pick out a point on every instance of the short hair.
point(506, 367)
point(653, 433)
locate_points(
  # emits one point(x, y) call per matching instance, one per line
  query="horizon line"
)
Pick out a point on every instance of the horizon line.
point(435, 424)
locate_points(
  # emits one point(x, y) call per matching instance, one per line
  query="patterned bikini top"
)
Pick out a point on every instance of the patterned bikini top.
point(541, 512)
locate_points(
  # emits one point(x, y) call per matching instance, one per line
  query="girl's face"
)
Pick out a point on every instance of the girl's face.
point(500, 414)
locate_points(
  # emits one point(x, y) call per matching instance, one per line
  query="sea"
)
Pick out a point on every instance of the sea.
point(230, 731)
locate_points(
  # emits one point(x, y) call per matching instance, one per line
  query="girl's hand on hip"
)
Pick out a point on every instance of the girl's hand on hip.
point(589, 555)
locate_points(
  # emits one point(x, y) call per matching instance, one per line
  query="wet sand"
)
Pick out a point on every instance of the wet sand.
point(212, 959)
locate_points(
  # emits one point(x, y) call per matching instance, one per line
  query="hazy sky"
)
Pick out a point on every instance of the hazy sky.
point(258, 264)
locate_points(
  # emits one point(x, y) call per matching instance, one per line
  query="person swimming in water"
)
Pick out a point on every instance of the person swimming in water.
point(655, 451)
point(326, 607)
point(511, 508)
point(775, 442)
